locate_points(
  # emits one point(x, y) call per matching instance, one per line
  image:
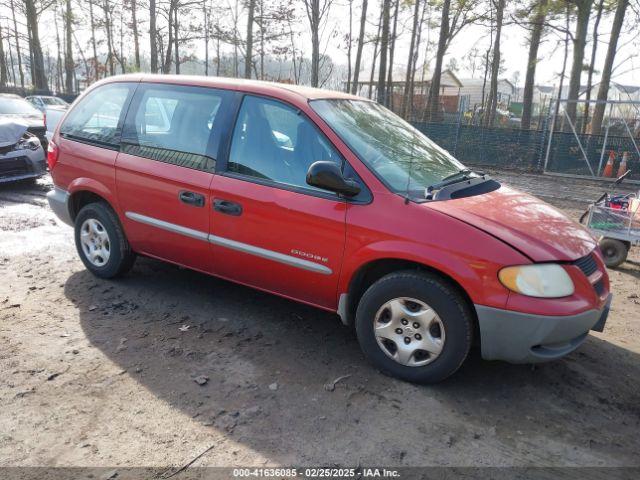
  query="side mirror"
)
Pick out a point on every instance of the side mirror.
point(327, 175)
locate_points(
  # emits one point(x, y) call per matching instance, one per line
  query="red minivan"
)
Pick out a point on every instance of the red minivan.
point(331, 200)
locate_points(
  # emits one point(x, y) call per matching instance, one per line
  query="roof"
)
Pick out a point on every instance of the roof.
point(626, 88)
point(478, 82)
point(546, 88)
point(251, 86)
point(9, 95)
point(426, 81)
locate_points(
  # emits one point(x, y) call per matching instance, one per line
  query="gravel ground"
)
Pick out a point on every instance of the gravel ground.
point(155, 368)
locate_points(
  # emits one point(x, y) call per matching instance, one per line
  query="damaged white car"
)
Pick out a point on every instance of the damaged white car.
point(21, 154)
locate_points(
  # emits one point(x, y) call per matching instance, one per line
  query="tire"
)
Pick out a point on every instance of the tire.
point(614, 252)
point(101, 242)
point(416, 292)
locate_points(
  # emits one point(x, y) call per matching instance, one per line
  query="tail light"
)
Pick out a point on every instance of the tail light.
point(52, 155)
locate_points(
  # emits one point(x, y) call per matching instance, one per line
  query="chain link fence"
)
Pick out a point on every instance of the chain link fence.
point(594, 139)
point(563, 138)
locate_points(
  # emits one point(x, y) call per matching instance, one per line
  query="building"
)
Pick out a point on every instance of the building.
point(475, 91)
point(450, 86)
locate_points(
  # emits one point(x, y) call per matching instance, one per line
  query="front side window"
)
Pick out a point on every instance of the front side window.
point(405, 159)
point(97, 117)
point(273, 141)
point(174, 124)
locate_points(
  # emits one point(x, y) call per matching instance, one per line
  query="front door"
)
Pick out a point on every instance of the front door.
point(165, 168)
point(269, 229)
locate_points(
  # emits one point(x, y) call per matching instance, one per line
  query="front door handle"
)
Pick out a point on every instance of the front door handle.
point(191, 198)
point(227, 207)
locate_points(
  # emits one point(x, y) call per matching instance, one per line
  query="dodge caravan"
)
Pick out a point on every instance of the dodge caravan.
point(331, 200)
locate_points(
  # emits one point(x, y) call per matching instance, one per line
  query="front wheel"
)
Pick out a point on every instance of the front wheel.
point(414, 326)
point(101, 242)
point(614, 252)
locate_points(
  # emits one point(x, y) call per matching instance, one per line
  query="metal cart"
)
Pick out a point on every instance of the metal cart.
point(618, 228)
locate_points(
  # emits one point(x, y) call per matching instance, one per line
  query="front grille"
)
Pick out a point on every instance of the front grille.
point(587, 264)
point(13, 167)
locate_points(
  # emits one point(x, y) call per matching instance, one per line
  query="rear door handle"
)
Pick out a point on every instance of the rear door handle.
point(191, 198)
point(227, 207)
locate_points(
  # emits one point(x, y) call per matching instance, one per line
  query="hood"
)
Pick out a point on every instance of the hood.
point(530, 225)
point(11, 131)
point(30, 120)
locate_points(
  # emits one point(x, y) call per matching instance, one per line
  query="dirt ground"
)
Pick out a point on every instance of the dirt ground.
point(102, 373)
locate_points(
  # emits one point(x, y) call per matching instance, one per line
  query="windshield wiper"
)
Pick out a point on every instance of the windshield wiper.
point(460, 176)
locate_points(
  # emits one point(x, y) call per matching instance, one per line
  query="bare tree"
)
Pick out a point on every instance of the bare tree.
point(3, 62)
point(168, 51)
point(376, 43)
point(94, 46)
point(69, 65)
point(38, 73)
point(251, 7)
point(411, 62)
point(133, 5)
point(594, 48)
point(603, 89)
point(153, 34)
point(492, 102)
point(356, 67)
point(17, 42)
point(456, 14)
point(205, 13)
point(579, 42)
point(349, 46)
point(106, 8)
point(384, 47)
point(392, 48)
point(317, 11)
point(538, 22)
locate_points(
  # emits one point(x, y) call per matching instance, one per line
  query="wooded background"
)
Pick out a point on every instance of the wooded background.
point(288, 40)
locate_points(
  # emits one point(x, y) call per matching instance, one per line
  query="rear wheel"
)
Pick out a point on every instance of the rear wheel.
point(101, 242)
point(614, 252)
point(414, 326)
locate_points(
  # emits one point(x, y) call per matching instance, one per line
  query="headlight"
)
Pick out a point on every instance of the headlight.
point(28, 142)
point(545, 280)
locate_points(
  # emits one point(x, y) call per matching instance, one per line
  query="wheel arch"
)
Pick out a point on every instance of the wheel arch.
point(370, 272)
point(84, 191)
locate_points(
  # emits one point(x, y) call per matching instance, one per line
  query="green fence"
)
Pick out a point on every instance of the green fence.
point(494, 147)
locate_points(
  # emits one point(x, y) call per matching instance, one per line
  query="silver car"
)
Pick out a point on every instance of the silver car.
point(21, 154)
point(54, 109)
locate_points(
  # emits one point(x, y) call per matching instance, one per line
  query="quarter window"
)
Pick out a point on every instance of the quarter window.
point(174, 124)
point(273, 141)
point(97, 117)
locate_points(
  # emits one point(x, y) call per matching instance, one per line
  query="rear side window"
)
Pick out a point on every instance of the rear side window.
point(97, 118)
point(174, 124)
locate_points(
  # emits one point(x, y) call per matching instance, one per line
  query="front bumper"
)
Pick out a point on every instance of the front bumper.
point(59, 202)
point(22, 164)
point(524, 338)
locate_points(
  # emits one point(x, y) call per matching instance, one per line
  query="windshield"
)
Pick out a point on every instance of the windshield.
point(406, 160)
point(16, 106)
point(54, 101)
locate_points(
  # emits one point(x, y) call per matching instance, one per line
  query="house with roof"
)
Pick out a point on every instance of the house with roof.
point(450, 87)
point(474, 92)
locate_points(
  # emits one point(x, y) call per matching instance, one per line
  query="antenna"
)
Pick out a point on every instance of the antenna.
point(406, 198)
